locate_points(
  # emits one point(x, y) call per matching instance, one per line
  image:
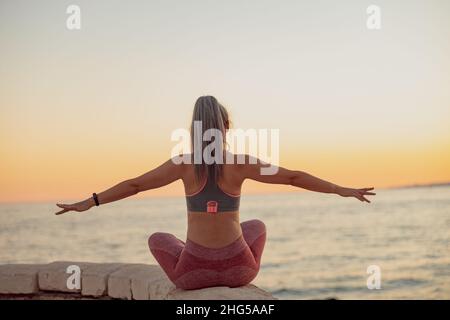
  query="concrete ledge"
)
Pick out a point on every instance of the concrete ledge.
point(108, 281)
point(19, 278)
point(221, 293)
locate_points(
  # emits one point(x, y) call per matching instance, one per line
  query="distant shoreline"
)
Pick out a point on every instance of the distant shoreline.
point(425, 185)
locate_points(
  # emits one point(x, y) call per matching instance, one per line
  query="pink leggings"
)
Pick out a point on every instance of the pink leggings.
point(192, 266)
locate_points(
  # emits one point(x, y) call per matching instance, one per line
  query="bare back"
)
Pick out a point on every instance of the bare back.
point(214, 230)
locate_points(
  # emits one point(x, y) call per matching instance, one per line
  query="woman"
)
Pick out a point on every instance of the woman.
point(219, 251)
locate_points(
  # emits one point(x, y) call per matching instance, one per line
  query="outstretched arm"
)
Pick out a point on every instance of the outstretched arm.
point(163, 175)
point(301, 179)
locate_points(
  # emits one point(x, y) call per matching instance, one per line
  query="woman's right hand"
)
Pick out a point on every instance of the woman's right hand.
point(79, 206)
point(357, 193)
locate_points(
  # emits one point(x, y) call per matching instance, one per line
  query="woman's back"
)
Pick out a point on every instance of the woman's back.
point(213, 229)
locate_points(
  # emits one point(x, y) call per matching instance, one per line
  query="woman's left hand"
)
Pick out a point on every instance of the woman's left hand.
point(357, 193)
point(79, 207)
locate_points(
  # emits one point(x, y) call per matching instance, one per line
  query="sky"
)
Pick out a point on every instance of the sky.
point(82, 110)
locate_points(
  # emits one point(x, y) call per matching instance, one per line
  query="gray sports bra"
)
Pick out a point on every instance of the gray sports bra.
point(210, 198)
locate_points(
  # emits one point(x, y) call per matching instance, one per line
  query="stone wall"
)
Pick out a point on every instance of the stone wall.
point(107, 281)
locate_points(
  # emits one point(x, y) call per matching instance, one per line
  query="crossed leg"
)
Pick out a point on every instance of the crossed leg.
point(166, 248)
point(254, 232)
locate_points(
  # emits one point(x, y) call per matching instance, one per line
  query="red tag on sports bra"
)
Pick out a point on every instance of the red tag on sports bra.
point(211, 206)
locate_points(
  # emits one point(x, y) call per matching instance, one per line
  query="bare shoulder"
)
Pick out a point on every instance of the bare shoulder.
point(180, 163)
point(243, 164)
point(243, 160)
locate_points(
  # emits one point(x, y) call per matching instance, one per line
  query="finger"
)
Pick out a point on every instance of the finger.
point(365, 192)
point(367, 189)
point(62, 211)
point(361, 198)
point(68, 206)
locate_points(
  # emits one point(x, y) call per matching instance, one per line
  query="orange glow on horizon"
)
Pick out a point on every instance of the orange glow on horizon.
point(63, 177)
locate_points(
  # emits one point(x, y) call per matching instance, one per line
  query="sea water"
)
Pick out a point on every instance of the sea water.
point(318, 246)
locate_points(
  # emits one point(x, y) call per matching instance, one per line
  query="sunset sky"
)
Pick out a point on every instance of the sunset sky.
point(82, 110)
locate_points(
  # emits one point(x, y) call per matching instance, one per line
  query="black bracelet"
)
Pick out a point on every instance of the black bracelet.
point(94, 195)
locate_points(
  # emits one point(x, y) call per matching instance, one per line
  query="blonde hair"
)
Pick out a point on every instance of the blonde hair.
point(212, 115)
